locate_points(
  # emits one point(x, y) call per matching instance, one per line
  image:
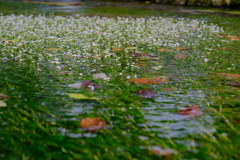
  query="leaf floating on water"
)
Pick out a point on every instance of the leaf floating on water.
point(146, 93)
point(92, 124)
point(162, 50)
point(2, 104)
point(180, 56)
point(54, 49)
point(233, 83)
point(230, 75)
point(191, 111)
point(80, 96)
point(183, 48)
point(151, 80)
point(117, 49)
point(223, 35)
point(13, 40)
point(223, 48)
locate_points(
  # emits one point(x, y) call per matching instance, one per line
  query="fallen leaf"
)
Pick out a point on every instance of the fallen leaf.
point(2, 104)
point(151, 80)
point(223, 48)
point(116, 49)
point(230, 75)
point(180, 56)
point(183, 48)
point(233, 83)
point(100, 76)
point(80, 96)
point(103, 66)
point(142, 54)
point(223, 35)
point(54, 49)
point(162, 49)
point(146, 93)
point(92, 124)
point(191, 111)
point(234, 38)
point(13, 40)
point(3, 96)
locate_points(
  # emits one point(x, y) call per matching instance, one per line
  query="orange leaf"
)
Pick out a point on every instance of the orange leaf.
point(151, 80)
point(191, 111)
point(92, 124)
point(183, 48)
point(223, 35)
point(234, 38)
point(180, 56)
point(162, 49)
point(230, 75)
point(116, 49)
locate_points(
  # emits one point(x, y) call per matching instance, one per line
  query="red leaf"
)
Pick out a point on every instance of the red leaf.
point(146, 93)
point(151, 80)
point(92, 124)
point(191, 111)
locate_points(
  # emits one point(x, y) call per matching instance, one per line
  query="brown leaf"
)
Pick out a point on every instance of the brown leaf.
point(146, 93)
point(151, 80)
point(92, 124)
point(180, 56)
point(142, 54)
point(230, 75)
point(223, 48)
point(191, 111)
point(233, 83)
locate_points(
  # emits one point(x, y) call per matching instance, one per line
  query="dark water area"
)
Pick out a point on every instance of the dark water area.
point(163, 8)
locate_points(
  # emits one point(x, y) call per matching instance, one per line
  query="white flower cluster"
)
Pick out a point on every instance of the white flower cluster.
point(70, 41)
